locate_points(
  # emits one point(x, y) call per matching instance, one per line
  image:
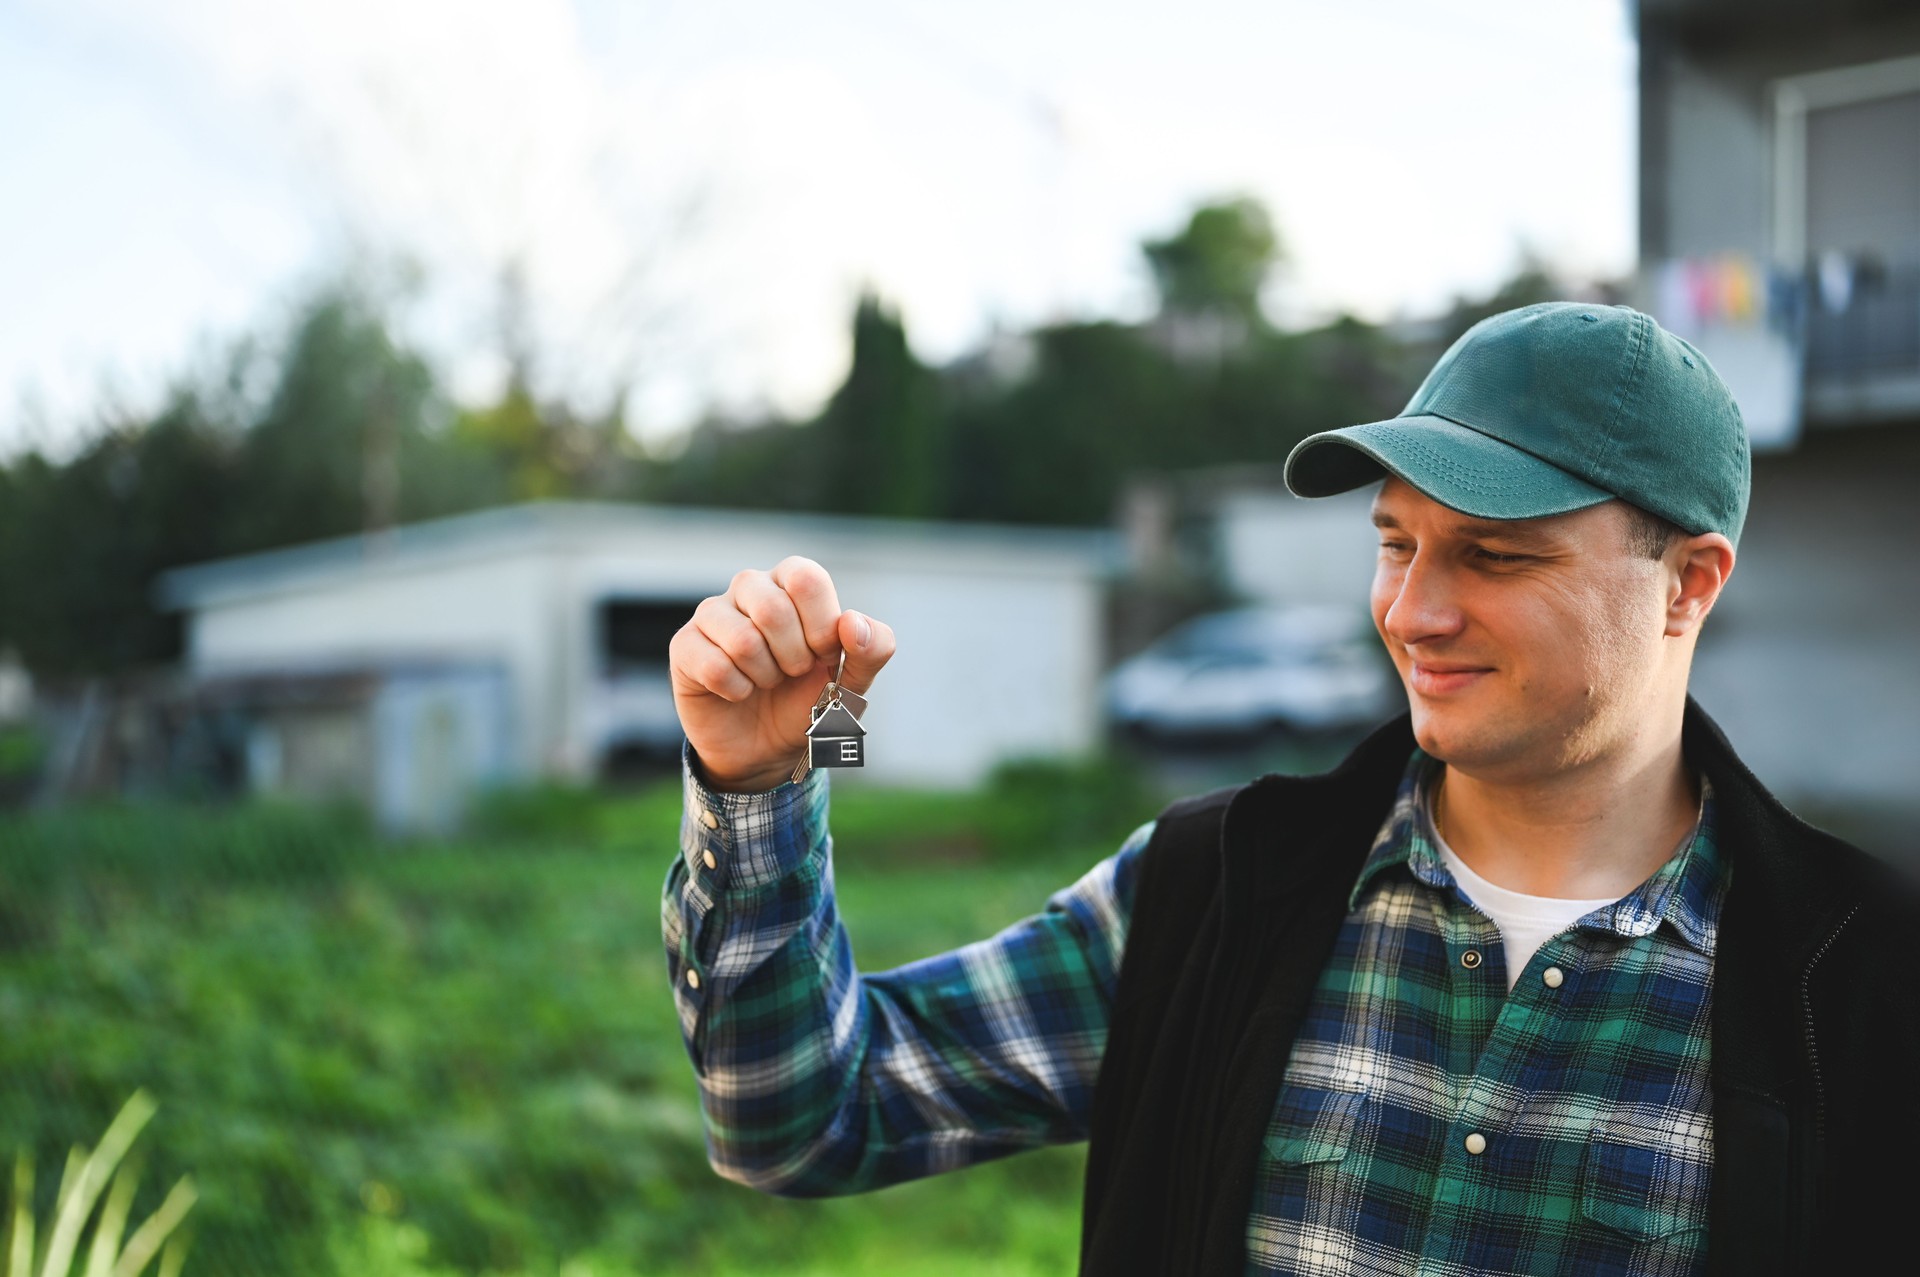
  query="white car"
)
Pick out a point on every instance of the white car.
point(1306, 668)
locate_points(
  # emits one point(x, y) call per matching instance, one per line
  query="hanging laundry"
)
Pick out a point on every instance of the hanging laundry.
point(1786, 294)
point(1737, 288)
point(1703, 292)
point(1673, 300)
point(1693, 294)
point(1835, 273)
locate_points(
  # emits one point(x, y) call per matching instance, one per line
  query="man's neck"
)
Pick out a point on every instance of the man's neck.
point(1587, 833)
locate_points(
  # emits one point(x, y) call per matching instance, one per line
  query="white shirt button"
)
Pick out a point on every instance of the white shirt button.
point(706, 858)
point(693, 978)
point(1476, 1142)
point(1552, 977)
point(708, 819)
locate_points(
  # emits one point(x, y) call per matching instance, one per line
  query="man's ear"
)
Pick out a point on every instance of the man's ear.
point(1697, 570)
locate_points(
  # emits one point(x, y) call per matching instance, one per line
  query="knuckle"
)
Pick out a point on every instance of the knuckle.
point(757, 607)
point(720, 675)
point(741, 642)
point(804, 576)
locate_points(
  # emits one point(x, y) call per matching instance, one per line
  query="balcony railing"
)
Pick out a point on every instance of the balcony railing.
point(1876, 332)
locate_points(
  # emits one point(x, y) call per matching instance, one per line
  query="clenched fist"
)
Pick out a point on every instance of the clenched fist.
point(749, 665)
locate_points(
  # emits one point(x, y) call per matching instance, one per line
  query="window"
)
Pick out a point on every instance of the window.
point(633, 633)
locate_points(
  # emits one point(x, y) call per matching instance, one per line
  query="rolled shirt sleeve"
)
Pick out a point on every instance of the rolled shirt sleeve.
point(818, 1079)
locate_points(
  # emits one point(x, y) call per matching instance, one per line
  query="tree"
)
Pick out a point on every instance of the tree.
point(341, 443)
point(880, 440)
point(1100, 402)
point(1219, 263)
point(541, 451)
point(83, 541)
point(325, 456)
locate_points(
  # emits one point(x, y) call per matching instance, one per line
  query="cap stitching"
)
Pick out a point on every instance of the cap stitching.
point(1609, 444)
point(1461, 475)
point(1470, 479)
point(1525, 452)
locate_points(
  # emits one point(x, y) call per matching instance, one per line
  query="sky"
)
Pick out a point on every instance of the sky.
point(692, 195)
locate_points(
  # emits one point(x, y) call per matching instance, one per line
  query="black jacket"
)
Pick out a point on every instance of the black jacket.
point(1816, 1026)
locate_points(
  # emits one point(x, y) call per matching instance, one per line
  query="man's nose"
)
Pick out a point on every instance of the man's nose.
point(1423, 608)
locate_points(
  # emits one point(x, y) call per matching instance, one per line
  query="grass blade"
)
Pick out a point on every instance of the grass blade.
point(174, 1257)
point(146, 1239)
point(76, 1158)
point(82, 1189)
point(112, 1224)
point(20, 1245)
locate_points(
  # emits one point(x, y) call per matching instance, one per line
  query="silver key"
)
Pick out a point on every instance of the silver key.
point(834, 735)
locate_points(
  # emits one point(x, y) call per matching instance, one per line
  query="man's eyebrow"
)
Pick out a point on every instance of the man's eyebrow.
point(1518, 532)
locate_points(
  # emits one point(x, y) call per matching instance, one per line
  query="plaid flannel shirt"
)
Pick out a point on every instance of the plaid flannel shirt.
point(1429, 1122)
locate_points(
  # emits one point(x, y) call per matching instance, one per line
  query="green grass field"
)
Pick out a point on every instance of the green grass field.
point(461, 1058)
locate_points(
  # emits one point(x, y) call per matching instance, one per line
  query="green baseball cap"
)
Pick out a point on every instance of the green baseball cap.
point(1552, 408)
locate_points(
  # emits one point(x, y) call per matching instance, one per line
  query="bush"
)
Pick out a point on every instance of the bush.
point(166, 845)
point(1040, 804)
point(463, 1056)
point(22, 753)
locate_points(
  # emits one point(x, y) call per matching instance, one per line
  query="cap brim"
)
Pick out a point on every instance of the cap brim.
point(1456, 465)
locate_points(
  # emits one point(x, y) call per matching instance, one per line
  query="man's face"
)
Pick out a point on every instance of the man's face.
point(1526, 646)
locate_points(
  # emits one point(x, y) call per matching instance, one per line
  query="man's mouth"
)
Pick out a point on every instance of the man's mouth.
point(1437, 678)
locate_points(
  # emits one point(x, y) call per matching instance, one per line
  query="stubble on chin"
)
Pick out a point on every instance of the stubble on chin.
point(1507, 742)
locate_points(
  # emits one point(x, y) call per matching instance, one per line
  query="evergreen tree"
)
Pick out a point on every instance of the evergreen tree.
point(880, 440)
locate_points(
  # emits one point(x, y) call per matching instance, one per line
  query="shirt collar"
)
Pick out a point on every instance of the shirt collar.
point(1685, 892)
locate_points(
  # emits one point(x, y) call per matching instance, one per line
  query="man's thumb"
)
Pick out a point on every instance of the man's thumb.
point(869, 646)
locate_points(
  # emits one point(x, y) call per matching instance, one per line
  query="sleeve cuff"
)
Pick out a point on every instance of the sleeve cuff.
point(742, 842)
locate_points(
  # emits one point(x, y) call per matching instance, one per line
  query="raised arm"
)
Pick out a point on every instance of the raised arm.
point(814, 1078)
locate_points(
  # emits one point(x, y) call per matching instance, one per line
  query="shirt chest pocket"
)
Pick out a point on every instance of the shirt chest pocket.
point(1638, 1183)
point(1312, 1126)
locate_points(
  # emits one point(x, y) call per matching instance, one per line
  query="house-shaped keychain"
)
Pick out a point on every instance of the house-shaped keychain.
point(836, 738)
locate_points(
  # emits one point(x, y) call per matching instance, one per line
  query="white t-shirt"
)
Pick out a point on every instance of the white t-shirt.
point(1525, 922)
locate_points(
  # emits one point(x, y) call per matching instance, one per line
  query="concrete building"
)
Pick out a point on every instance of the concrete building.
point(1780, 230)
point(1780, 202)
point(538, 635)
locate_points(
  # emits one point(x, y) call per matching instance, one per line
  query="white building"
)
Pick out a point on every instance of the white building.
point(1275, 547)
point(566, 610)
point(1239, 528)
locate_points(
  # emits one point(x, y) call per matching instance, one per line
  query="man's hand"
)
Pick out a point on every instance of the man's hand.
point(749, 665)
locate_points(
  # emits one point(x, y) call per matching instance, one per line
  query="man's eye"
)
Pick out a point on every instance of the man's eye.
point(1395, 547)
point(1490, 556)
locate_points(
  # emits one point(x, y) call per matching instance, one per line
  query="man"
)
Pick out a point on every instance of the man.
point(1540, 980)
